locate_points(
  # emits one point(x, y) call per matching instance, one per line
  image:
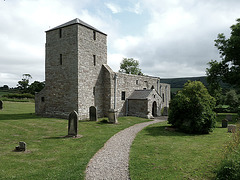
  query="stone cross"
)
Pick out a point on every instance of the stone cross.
point(1, 105)
point(93, 113)
point(73, 124)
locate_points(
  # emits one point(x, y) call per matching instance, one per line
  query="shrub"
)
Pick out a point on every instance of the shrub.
point(191, 110)
point(19, 96)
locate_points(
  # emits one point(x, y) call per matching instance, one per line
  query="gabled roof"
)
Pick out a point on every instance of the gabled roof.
point(140, 94)
point(76, 21)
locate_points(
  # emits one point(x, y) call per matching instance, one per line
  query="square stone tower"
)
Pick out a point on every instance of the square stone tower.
point(75, 53)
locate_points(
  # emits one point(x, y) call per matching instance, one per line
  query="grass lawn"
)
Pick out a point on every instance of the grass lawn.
point(49, 155)
point(160, 154)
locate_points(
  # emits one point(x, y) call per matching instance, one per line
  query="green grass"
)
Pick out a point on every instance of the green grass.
point(160, 154)
point(49, 155)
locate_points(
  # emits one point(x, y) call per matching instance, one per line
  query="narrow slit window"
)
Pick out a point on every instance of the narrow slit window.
point(123, 95)
point(94, 91)
point(60, 59)
point(94, 35)
point(137, 82)
point(42, 99)
point(60, 33)
point(94, 60)
point(163, 97)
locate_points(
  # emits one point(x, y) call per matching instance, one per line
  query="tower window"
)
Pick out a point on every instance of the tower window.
point(137, 82)
point(94, 60)
point(60, 33)
point(60, 59)
point(123, 95)
point(163, 97)
point(42, 99)
point(94, 35)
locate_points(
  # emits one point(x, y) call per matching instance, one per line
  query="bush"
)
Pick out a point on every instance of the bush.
point(230, 166)
point(19, 96)
point(191, 110)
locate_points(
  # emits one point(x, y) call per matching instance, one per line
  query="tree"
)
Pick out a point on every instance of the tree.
point(228, 69)
point(130, 66)
point(191, 110)
point(36, 86)
point(232, 99)
point(24, 83)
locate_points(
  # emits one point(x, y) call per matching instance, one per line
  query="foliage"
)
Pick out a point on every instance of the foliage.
point(49, 155)
point(228, 69)
point(232, 99)
point(24, 83)
point(130, 66)
point(192, 109)
point(230, 166)
point(19, 96)
point(36, 86)
point(157, 153)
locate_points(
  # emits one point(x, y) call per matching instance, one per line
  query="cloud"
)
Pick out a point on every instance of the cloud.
point(113, 7)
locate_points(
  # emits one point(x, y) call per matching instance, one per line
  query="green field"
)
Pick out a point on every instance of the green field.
point(160, 154)
point(49, 155)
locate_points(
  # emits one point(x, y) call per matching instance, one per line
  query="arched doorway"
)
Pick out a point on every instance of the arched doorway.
point(154, 109)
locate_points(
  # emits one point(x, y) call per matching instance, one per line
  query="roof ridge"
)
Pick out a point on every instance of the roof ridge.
point(76, 21)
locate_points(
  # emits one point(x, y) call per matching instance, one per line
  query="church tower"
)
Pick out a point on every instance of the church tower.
point(75, 53)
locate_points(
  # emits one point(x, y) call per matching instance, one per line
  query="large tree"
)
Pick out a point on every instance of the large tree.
point(24, 83)
point(228, 68)
point(130, 66)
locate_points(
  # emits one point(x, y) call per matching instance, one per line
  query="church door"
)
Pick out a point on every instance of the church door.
point(154, 109)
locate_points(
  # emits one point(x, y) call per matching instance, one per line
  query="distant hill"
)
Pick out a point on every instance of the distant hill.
point(179, 82)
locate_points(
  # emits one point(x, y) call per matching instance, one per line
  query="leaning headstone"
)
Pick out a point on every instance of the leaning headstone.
point(224, 123)
point(93, 113)
point(1, 105)
point(232, 128)
point(165, 111)
point(73, 124)
point(112, 116)
point(229, 117)
point(22, 146)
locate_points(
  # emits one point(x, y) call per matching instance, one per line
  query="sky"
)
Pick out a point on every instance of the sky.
point(169, 38)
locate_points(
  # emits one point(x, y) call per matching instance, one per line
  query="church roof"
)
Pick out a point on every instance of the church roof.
point(140, 94)
point(76, 21)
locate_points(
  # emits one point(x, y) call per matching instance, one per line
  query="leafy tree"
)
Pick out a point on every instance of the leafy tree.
point(232, 99)
point(24, 83)
point(228, 69)
point(130, 66)
point(36, 86)
point(191, 110)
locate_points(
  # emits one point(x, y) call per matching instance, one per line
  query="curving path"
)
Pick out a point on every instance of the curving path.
point(111, 161)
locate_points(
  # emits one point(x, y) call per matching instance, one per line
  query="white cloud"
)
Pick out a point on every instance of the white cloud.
point(114, 7)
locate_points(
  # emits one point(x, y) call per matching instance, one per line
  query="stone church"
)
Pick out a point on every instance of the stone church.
point(77, 77)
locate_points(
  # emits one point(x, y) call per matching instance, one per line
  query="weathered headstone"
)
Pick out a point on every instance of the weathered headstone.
point(232, 128)
point(112, 116)
point(22, 146)
point(1, 105)
point(165, 111)
point(73, 124)
point(229, 117)
point(224, 123)
point(93, 113)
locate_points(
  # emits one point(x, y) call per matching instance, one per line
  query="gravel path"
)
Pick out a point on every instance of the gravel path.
point(111, 162)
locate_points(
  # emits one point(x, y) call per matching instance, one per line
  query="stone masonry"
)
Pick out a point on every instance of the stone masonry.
point(77, 76)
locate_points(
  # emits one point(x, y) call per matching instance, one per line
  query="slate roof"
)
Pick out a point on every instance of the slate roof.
point(140, 94)
point(76, 21)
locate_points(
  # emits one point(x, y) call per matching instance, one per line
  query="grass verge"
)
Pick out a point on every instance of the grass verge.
point(49, 155)
point(160, 154)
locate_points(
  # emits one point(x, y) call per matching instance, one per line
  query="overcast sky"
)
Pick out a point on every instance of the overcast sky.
point(170, 38)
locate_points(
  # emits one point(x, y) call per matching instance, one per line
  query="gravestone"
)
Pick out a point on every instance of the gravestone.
point(93, 113)
point(1, 105)
point(22, 146)
point(73, 124)
point(232, 128)
point(112, 116)
point(224, 123)
point(165, 111)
